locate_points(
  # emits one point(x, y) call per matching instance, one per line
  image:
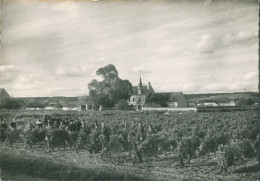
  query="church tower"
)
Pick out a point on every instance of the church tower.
point(140, 93)
point(140, 85)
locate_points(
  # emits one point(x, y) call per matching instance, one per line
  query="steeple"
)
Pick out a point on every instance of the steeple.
point(140, 85)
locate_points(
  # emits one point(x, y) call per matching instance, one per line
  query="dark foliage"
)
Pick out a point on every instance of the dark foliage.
point(110, 90)
point(11, 104)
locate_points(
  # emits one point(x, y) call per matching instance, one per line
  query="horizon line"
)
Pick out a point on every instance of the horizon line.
point(155, 93)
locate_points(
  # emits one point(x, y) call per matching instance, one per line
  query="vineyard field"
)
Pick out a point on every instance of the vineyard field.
point(199, 137)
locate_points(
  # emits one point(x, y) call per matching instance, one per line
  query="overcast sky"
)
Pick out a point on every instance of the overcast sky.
point(55, 48)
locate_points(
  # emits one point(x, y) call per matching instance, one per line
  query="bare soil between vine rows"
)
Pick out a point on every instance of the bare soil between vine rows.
point(162, 167)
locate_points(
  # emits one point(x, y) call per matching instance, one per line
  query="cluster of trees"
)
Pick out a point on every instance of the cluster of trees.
point(111, 90)
point(246, 101)
point(11, 103)
point(35, 104)
point(16, 103)
point(159, 99)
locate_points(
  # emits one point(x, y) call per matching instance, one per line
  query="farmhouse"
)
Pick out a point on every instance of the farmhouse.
point(210, 104)
point(3, 95)
point(231, 103)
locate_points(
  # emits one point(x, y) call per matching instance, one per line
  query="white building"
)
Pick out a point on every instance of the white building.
point(209, 104)
point(231, 103)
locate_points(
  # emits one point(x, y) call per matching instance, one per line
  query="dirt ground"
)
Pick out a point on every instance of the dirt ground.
point(161, 167)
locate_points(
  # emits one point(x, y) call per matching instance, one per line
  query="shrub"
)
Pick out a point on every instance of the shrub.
point(246, 149)
point(188, 147)
point(209, 144)
point(198, 132)
point(115, 143)
point(229, 156)
point(166, 142)
point(150, 145)
point(236, 152)
point(222, 138)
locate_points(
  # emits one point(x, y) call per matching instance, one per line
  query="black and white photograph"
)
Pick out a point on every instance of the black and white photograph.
point(120, 90)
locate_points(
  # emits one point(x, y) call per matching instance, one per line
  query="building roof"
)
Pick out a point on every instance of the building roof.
point(3, 94)
point(144, 88)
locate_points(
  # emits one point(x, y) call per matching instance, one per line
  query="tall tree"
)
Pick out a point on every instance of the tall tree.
point(109, 73)
point(111, 89)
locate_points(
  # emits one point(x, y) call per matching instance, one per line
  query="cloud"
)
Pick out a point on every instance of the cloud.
point(69, 8)
point(228, 43)
point(207, 2)
point(206, 44)
point(84, 88)
point(144, 68)
point(240, 86)
point(55, 89)
point(187, 87)
point(214, 87)
point(75, 71)
point(206, 76)
point(238, 39)
point(177, 87)
point(6, 67)
point(62, 44)
point(27, 82)
point(20, 86)
point(138, 68)
point(245, 36)
point(250, 76)
point(8, 73)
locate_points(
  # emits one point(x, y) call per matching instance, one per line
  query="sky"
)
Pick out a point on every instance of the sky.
point(55, 48)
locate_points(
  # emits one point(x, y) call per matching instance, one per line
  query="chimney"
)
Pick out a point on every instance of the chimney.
point(149, 85)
